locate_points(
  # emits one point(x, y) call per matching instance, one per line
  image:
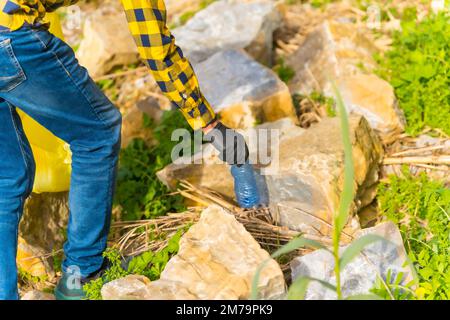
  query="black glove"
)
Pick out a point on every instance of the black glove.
point(231, 144)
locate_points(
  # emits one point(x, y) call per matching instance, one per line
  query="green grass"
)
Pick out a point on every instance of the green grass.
point(149, 264)
point(139, 192)
point(418, 67)
point(421, 207)
point(285, 73)
point(319, 99)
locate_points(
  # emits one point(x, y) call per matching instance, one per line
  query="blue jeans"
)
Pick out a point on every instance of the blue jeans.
point(39, 74)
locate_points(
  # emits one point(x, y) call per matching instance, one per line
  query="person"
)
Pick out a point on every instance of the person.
point(40, 73)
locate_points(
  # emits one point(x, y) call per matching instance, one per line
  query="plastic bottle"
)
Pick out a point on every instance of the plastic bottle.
point(245, 186)
point(263, 189)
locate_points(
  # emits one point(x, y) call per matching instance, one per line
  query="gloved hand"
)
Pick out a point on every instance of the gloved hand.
point(231, 144)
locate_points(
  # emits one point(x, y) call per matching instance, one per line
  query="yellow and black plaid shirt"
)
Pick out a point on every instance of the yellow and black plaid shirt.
point(156, 46)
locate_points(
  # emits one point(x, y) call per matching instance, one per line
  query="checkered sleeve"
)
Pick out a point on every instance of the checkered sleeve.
point(171, 70)
point(52, 5)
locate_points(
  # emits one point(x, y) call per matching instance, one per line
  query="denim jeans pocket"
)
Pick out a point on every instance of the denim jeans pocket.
point(11, 73)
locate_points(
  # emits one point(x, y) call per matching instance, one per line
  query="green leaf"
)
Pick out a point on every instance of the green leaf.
point(255, 281)
point(298, 243)
point(356, 247)
point(349, 171)
point(426, 71)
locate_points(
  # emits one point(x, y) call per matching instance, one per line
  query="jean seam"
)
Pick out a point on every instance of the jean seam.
point(44, 46)
point(19, 140)
point(69, 75)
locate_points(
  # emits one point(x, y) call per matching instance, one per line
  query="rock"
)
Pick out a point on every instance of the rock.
point(374, 98)
point(151, 107)
point(305, 192)
point(209, 171)
point(369, 215)
point(132, 287)
point(209, 266)
point(337, 51)
point(214, 175)
point(230, 25)
point(333, 50)
point(28, 260)
point(133, 126)
point(360, 275)
point(107, 42)
point(135, 287)
point(37, 295)
point(306, 182)
point(243, 91)
point(44, 223)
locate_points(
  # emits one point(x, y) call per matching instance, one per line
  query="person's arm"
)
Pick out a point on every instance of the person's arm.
point(171, 70)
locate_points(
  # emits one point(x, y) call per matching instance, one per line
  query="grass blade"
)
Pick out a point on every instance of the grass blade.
point(255, 281)
point(296, 243)
point(298, 289)
point(292, 245)
point(348, 192)
point(349, 172)
point(356, 247)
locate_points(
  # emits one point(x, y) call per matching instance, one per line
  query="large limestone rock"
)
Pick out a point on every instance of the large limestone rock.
point(107, 42)
point(305, 192)
point(374, 98)
point(337, 51)
point(331, 51)
point(43, 225)
point(230, 25)
point(360, 275)
point(243, 91)
point(217, 260)
point(209, 171)
point(306, 182)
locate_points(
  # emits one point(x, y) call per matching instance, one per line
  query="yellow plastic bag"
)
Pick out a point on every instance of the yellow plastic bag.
point(52, 155)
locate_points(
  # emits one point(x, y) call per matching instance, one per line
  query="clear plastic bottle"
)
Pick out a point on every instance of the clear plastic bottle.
point(245, 186)
point(263, 189)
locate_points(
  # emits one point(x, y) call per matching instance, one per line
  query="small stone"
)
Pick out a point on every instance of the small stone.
point(374, 98)
point(133, 127)
point(44, 221)
point(243, 91)
point(151, 107)
point(28, 260)
point(132, 287)
point(37, 295)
